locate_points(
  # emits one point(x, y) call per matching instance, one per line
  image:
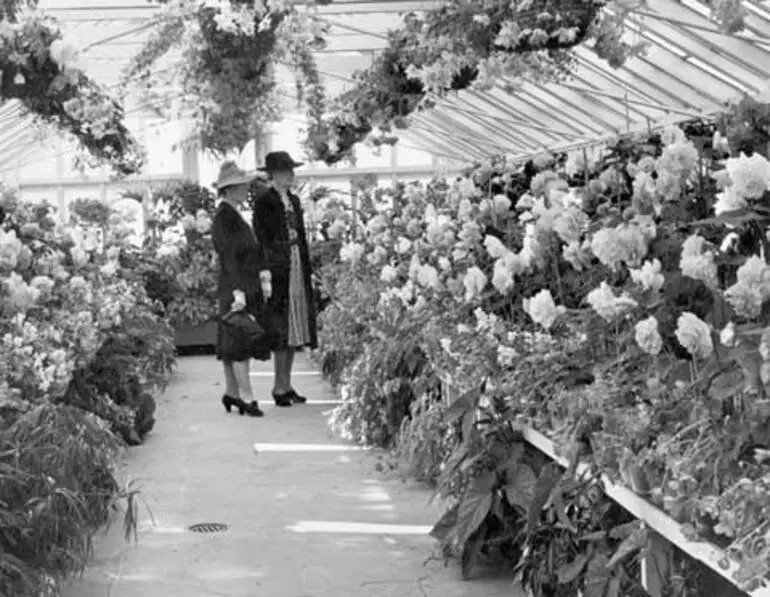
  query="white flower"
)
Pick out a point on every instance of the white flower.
point(427, 276)
point(403, 245)
point(694, 335)
point(388, 274)
point(502, 204)
point(336, 229)
point(649, 276)
point(727, 335)
point(502, 277)
point(729, 200)
point(495, 247)
point(542, 309)
point(352, 252)
point(474, 281)
point(648, 337)
point(607, 305)
point(109, 269)
point(750, 176)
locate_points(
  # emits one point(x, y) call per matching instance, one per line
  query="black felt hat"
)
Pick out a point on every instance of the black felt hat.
point(277, 161)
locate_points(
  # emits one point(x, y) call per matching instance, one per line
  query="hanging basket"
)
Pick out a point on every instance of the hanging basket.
point(552, 24)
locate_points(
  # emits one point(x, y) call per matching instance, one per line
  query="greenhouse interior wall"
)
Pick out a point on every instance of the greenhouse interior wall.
point(48, 172)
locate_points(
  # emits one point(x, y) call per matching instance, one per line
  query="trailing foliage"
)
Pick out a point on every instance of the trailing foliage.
point(477, 44)
point(43, 73)
point(225, 70)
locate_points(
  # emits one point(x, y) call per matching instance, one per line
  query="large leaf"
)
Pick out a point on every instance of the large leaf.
point(520, 489)
point(470, 554)
point(442, 529)
point(597, 576)
point(474, 506)
point(549, 478)
point(463, 405)
point(631, 544)
point(561, 510)
point(727, 385)
point(570, 571)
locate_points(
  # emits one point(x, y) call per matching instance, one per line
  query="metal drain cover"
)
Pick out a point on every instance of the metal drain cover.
point(208, 528)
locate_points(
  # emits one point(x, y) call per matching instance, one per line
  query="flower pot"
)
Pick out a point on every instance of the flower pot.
point(201, 335)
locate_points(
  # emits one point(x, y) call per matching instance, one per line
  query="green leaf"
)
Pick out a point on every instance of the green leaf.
point(474, 506)
point(631, 544)
point(520, 489)
point(726, 385)
point(470, 554)
point(561, 511)
point(549, 478)
point(465, 403)
point(597, 576)
point(569, 572)
point(446, 523)
point(469, 425)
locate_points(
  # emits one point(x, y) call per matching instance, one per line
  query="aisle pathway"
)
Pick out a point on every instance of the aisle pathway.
point(306, 514)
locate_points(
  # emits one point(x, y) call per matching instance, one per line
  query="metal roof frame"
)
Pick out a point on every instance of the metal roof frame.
point(691, 69)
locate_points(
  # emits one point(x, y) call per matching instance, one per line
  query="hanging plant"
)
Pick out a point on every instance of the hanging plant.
point(42, 72)
point(227, 70)
point(449, 49)
point(474, 43)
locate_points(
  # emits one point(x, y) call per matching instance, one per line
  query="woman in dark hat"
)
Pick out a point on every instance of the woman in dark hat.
point(280, 228)
point(244, 285)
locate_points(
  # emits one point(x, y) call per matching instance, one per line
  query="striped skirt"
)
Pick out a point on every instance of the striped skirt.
point(299, 316)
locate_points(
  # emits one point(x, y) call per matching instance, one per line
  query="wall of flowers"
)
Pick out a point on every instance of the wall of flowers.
point(614, 299)
point(84, 352)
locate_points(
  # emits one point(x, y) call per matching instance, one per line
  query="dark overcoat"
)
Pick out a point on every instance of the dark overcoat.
point(240, 260)
point(272, 233)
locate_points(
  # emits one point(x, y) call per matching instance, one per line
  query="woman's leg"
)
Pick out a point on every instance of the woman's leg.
point(243, 379)
point(282, 362)
point(231, 383)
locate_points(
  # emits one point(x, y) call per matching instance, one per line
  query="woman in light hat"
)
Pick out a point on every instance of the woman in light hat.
point(244, 284)
point(279, 226)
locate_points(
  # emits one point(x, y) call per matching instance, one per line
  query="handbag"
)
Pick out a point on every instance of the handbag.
point(241, 333)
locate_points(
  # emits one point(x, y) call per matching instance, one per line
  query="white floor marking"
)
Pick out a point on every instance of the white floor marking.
point(307, 448)
point(378, 508)
point(357, 528)
point(270, 373)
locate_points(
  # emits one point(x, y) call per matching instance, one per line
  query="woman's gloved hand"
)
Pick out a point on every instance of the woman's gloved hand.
point(239, 302)
point(266, 282)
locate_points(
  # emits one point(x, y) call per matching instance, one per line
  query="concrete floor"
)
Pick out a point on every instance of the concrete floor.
point(307, 516)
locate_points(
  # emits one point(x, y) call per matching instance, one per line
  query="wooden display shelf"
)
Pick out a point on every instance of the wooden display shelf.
point(665, 530)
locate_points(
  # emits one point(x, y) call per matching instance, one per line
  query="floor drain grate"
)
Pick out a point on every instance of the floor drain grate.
point(208, 528)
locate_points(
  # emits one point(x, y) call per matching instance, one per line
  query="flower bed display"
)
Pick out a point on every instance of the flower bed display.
point(83, 353)
point(614, 300)
point(178, 261)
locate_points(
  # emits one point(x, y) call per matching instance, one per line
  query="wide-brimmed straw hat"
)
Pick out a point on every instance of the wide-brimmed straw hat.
point(230, 174)
point(277, 161)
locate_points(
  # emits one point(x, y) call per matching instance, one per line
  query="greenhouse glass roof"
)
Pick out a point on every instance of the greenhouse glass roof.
point(690, 70)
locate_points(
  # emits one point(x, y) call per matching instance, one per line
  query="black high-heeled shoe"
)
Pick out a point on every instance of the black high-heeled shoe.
point(228, 402)
point(297, 398)
point(283, 400)
point(251, 408)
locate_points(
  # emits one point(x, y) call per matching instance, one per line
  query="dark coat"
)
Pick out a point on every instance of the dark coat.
point(240, 260)
point(271, 230)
